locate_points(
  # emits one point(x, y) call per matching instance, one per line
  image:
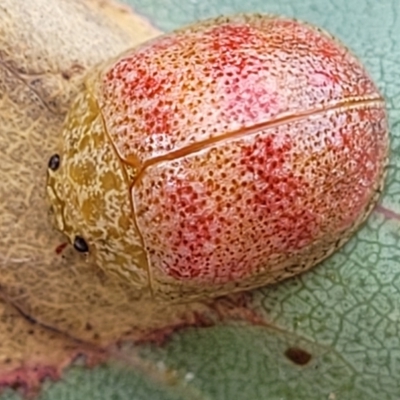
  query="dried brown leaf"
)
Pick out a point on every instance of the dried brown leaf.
point(25, 357)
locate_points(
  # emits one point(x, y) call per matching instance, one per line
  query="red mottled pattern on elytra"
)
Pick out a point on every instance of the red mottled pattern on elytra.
point(207, 80)
point(227, 211)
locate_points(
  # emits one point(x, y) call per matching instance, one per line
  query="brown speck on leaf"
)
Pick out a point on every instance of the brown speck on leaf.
point(298, 356)
point(88, 326)
point(66, 75)
point(74, 69)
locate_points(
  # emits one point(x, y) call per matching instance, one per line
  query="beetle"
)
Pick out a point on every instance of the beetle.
point(224, 156)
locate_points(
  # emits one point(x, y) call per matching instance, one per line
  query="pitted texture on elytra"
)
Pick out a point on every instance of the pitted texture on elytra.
point(251, 139)
point(90, 194)
point(239, 208)
point(251, 148)
point(221, 76)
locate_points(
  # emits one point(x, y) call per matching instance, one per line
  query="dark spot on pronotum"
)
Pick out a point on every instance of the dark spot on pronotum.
point(298, 356)
point(54, 162)
point(80, 244)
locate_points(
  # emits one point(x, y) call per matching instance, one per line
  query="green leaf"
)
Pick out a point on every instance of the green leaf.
point(345, 313)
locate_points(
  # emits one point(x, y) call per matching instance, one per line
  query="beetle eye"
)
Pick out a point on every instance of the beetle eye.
point(54, 162)
point(80, 244)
